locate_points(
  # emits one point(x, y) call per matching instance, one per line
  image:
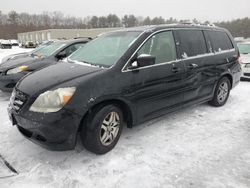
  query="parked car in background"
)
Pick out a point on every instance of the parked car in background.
point(13, 70)
point(244, 48)
point(124, 78)
point(5, 44)
point(239, 39)
point(29, 44)
point(25, 54)
point(14, 42)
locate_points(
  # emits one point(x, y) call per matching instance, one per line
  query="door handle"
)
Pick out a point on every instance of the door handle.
point(175, 69)
point(193, 66)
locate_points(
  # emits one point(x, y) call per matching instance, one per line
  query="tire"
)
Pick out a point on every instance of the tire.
point(222, 92)
point(102, 129)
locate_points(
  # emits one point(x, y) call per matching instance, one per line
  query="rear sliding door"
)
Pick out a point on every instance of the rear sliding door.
point(199, 69)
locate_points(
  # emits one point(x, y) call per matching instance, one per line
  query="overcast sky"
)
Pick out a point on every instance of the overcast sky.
point(212, 10)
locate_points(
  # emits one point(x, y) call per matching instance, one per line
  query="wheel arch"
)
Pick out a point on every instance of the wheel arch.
point(229, 76)
point(126, 109)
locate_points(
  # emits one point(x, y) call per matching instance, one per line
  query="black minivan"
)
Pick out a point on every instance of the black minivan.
point(123, 78)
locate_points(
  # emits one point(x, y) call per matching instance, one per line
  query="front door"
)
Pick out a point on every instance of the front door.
point(158, 88)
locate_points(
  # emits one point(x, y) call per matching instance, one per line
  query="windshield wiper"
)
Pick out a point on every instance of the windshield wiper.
point(87, 63)
point(81, 62)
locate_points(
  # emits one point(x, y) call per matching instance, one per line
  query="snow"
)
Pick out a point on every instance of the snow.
point(200, 146)
point(14, 50)
point(5, 42)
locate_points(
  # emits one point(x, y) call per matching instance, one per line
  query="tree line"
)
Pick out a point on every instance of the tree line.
point(13, 23)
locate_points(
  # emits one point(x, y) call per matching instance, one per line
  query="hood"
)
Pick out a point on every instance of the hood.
point(22, 60)
point(52, 76)
point(14, 56)
point(245, 58)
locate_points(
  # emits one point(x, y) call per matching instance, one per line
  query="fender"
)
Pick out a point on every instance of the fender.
point(128, 108)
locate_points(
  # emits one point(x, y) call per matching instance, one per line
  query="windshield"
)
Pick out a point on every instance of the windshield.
point(106, 50)
point(48, 50)
point(38, 48)
point(244, 48)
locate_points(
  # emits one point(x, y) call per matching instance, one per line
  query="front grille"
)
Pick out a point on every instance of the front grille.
point(17, 100)
point(246, 74)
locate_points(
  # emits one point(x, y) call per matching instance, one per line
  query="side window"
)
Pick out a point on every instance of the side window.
point(70, 49)
point(162, 46)
point(192, 43)
point(79, 45)
point(220, 41)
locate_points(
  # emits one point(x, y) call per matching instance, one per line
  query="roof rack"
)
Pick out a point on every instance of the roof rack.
point(89, 38)
point(198, 24)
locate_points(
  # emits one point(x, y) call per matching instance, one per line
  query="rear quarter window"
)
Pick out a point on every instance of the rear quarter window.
point(220, 41)
point(191, 43)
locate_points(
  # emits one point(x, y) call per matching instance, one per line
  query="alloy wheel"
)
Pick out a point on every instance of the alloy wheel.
point(222, 92)
point(110, 128)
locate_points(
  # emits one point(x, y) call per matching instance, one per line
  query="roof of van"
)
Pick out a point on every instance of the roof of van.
point(172, 26)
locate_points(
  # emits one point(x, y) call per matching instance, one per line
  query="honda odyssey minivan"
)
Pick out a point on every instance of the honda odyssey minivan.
point(124, 78)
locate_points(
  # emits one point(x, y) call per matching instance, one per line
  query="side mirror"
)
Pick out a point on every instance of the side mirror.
point(143, 60)
point(61, 55)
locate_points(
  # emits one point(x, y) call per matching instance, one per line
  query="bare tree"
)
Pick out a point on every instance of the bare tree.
point(147, 21)
point(129, 21)
point(157, 21)
point(13, 17)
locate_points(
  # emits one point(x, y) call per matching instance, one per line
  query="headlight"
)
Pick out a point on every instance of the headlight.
point(52, 101)
point(17, 70)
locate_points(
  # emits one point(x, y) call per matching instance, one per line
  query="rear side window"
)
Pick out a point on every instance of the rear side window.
point(219, 41)
point(191, 42)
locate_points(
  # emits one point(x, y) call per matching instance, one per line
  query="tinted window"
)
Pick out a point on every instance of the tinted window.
point(161, 46)
point(220, 41)
point(192, 43)
point(69, 50)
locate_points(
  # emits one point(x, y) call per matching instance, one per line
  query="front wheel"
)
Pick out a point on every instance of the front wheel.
point(222, 92)
point(103, 129)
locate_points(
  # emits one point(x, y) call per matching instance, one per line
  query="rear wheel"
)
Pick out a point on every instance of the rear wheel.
point(222, 92)
point(103, 129)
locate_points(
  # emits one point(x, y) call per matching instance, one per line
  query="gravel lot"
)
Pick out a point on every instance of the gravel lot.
point(200, 146)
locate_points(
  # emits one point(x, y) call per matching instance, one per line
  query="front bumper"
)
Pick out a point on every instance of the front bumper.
point(246, 71)
point(8, 82)
point(54, 131)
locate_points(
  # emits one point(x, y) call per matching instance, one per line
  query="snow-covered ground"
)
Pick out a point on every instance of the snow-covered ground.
point(200, 146)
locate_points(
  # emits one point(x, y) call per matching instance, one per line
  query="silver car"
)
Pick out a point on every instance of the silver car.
point(244, 48)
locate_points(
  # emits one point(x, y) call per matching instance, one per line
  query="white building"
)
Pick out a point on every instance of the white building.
point(50, 34)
